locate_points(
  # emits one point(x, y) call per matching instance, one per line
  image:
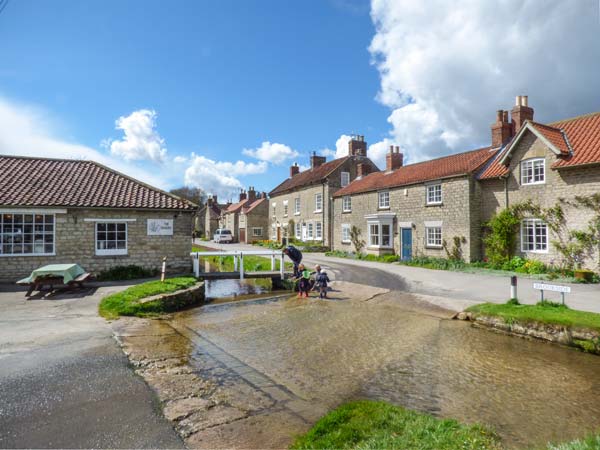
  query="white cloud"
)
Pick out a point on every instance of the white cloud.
point(180, 159)
point(30, 131)
point(446, 67)
point(272, 152)
point(141, 140)
point(220, 177)
point(378, 151)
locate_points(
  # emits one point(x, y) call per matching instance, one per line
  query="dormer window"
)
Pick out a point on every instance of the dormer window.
point(345, 178)
point(533, 171)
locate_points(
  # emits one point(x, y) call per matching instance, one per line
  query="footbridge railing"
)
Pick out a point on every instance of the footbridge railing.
point(238, 263)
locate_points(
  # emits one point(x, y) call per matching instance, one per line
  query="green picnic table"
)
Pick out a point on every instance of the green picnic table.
point(63, 275)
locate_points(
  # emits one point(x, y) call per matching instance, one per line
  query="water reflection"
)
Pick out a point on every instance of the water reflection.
point(329, 352)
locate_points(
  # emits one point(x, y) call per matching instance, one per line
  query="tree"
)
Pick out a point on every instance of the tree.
point(193, 194)
point(358, 243)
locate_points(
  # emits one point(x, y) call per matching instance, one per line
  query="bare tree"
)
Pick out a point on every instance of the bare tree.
point(193, 194)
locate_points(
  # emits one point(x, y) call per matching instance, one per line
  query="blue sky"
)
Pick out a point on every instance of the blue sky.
point(197, 86)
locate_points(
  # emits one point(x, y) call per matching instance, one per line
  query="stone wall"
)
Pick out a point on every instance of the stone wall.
point(565, 183)
point(457, 214)
point(257, 218)
point(75, 243)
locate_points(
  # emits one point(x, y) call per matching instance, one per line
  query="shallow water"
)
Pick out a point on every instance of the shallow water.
point(328, 352)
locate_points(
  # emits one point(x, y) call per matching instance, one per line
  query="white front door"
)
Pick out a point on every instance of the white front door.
point(304, 236)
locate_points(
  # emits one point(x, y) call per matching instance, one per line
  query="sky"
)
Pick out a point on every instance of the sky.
point(228, 94)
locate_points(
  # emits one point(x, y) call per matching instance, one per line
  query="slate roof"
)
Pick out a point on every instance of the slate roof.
point(44, 182)
point(434, 169)
point(577, 139)
point(310, 176)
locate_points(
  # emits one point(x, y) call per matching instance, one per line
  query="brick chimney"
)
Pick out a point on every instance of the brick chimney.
point(520, 113)
point(316, 161)
point(357, 146)
point(242, 195)
point(394, 159)
point(294, 170)
point(251, 194)
point(362, 170)
point(502, 129)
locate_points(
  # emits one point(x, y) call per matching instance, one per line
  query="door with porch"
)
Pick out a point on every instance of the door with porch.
point(406, 244)
point(243, 235)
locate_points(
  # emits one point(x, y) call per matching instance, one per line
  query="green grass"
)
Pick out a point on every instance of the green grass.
point(549, 313)
point(376, 425)
point(252, 263)
point(127, 302)
point(591, 442)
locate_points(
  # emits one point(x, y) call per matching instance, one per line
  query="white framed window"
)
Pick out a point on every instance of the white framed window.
point(347, 203)
point(27, 234)
point(384, 200)
point(285, 208)
point(318, 202)
point(111, 238)
point(274, 232)
point(345, 178)
point(310, 231)
point(374, 235)
point(533, 171)
point(345, 232)
point(433, 237)
point(297, 206)
point(257, 231)
point(318, 231)
point(298, 230)
point(274, 207)
point(534, 236)
point(434, 194)
point(380, 230)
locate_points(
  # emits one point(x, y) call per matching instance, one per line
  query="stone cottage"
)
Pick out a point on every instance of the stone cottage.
point(67, 211)
point(547, 164)
point(414, 209)
point(301, 206)
point(231, 216)
point(208, 217)
point(254, 220)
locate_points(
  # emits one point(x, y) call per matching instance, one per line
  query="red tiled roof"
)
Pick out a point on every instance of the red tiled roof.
point(234, 207)
point(253, 205)
point(578, 140)
point(35, 182)
point(447, 166)
point(309, 176)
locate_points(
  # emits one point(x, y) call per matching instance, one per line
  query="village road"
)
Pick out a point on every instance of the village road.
point(64, 381)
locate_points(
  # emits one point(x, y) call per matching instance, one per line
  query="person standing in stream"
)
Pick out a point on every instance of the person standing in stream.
point(295, 255)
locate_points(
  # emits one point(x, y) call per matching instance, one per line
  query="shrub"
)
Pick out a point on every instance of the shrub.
point(390, 258)
point(131, 272)
point(513, 301)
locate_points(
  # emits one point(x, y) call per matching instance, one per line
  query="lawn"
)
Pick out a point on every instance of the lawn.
point(375, 425)
point(127, 302)
point(549, 313)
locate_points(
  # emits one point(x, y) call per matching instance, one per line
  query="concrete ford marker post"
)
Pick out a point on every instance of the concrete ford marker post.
point(552, 287)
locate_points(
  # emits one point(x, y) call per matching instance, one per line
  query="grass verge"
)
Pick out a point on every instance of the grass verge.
point(546, 312)
point(371, 425)
point(591, 442)
point(127, 302)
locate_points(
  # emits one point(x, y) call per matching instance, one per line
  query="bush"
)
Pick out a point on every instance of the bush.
point(131, 272)
point(513, 301)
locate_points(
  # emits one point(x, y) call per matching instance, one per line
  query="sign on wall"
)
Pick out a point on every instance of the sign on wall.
point(160, 227)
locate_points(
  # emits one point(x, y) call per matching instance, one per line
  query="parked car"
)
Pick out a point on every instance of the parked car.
point(223, 235)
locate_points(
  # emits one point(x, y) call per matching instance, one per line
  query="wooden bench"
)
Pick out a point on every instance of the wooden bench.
point(55, 283)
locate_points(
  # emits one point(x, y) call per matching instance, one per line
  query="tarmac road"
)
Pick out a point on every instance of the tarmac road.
point(65, 383)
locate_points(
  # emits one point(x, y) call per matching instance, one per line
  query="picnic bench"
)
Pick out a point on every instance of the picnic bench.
point(55, 276)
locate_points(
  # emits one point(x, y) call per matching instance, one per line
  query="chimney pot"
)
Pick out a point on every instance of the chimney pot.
point(521, 113)
point(294, 170)
point(394, 159)
point(499, 115)
point(391, 149)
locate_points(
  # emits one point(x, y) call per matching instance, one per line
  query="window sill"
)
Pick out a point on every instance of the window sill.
point(377, 247)
point(346, 242)
point(538, 252)
point(383, 208)
point(434, 204)
point(111, 253)
point(318, 212)
point(296, 214)
point(10, 255)
point(434, 247)
point(346, 211)
point(537, 183)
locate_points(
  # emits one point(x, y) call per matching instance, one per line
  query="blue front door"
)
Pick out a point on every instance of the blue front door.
point(406, 244)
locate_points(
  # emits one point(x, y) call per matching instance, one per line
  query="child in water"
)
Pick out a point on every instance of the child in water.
point(321, 279)
point(303, 281)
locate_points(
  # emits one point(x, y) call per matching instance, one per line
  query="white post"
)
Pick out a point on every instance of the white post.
point(162, 271)
point(241, 266)
point(513, 287)
point(281, 266)
point(235, 263)
point(196, 263)
point(273, 262)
